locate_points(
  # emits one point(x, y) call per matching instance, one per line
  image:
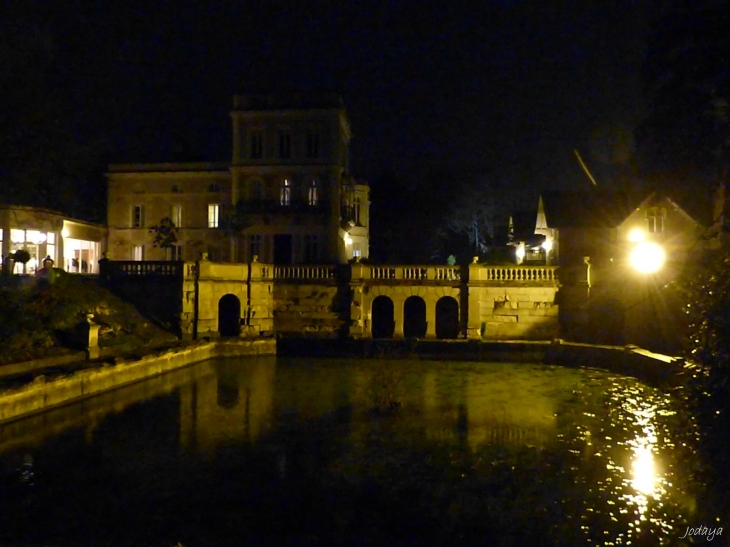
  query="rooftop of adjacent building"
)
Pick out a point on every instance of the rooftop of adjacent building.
point(293, 100)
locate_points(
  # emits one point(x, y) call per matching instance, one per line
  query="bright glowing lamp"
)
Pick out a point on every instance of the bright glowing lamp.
point(648, 257)
point(520, 252)
point(348, 239)
point(637, 235)
point(64, 232)
point(547, 245)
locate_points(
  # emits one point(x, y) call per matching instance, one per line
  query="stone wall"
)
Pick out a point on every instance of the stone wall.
point(309, 301)
point(509, 303)
point(44, 393)
point(487, 302)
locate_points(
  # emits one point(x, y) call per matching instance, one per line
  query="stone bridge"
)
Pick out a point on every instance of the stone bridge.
point(358, 300)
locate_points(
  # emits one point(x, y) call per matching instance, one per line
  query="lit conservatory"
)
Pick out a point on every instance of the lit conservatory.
point(73, 245)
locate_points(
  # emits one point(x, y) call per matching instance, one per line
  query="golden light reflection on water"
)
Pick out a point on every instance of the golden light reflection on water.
point(612, 441)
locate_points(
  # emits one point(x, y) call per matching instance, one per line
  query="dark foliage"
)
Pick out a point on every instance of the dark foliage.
point(706, 289)
point(687, 74)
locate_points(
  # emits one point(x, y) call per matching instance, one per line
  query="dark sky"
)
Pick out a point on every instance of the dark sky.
point(509, 88)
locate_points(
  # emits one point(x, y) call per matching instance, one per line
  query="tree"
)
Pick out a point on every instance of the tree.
point(22, 256)
point(233, 224)
point(165, 235)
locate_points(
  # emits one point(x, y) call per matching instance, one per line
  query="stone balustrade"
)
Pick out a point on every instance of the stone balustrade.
point(428, 272)
point(304, 272)
point(519, 274)
point(146, 268)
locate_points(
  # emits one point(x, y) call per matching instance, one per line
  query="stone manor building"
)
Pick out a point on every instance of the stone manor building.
point(286, 196)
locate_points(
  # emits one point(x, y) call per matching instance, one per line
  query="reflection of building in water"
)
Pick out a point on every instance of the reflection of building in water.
point(475, 409)
point(234, 405)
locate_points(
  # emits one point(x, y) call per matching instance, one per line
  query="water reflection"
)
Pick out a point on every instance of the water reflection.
point(577, 457)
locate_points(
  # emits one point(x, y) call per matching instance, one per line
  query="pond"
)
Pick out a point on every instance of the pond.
point(273, 451)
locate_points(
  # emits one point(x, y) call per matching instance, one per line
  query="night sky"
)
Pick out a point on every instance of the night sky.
point(506, 88)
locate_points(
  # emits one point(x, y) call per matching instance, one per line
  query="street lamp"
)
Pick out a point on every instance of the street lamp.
point(648, 257)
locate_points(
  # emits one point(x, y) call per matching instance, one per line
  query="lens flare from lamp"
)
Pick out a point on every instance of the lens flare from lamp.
point(65, 232)
point(547, 245)
point(520, 252)
point(637, 235)
point(648, 257)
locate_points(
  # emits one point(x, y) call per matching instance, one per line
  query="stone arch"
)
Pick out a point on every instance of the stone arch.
point(447, 318)
point(383, 322)
point(414, 317)
point(229, 315)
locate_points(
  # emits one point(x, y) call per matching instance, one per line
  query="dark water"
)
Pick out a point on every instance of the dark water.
point(292, 452)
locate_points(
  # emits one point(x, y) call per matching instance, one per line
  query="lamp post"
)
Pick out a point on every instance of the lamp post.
point(646, 258)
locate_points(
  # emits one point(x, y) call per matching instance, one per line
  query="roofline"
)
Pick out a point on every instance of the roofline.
point(168, 167)
point(43, 210)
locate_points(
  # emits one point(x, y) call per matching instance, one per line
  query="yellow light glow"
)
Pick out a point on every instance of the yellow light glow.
point(648, 257)
point(643, 470)
point(547, 245)
point(64, 232)
point(348, 239)
point(520, 252)
point(637, 236)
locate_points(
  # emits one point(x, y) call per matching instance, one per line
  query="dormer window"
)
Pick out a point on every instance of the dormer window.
point(655, 220)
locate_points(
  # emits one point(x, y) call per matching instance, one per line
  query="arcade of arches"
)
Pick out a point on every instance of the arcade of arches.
point(493, 303)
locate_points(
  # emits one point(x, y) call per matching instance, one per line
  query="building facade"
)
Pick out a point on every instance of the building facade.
point(285, 197)
point(74, 245)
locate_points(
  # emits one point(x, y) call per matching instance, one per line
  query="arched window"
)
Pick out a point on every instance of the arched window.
point(356, 211)
point(285, 193)
point(313, 196)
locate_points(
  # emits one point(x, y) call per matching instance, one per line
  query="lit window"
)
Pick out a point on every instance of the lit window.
point(284, 145)
point(177, 252)
point(312, 144)
point(356, 249)
point(213, 213)
point(137, 216)
point(257, 145)
point(313, 197)
point(285, 193)
point(50, 236)
point(655, 220)
point(139, 252)
point(17, 236)
point(1, 234)
point(176, 215)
